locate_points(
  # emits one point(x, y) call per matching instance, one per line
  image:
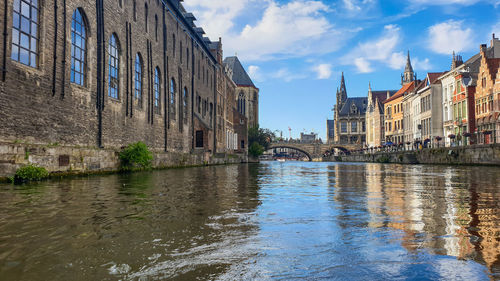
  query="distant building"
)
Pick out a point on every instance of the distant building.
point(247, 95)
point(349, 118)
point(375, 116)
point(393, 106)
point(308, 138)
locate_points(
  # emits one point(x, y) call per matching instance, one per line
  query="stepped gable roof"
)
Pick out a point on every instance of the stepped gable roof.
point(360, 104)
point(240, 76)
point(493, 65)
point(408, 87)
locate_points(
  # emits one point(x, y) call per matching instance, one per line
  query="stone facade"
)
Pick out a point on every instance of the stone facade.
point(349, 118)
point(247, 94)
point(375, 116)
point(161, 82)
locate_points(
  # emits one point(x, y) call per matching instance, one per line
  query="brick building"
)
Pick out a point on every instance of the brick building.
point(109, 73)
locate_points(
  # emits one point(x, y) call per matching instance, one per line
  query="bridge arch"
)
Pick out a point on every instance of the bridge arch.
point(309, 156)
point(339, 147)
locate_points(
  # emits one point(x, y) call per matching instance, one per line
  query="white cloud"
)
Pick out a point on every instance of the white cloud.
point(378, 50)
point(255, 73)
point(286, 75)
point(424, 64)
point(323, 71)
point(363, 65)
point(444, 2)
point(449, 36)
point(382, 51)
point(293, 29)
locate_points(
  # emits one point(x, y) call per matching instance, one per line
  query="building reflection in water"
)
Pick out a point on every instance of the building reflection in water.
point(453, 211)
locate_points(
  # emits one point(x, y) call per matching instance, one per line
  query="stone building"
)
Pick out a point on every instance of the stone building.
point(109, 73)
point(349, 118)
point(375, 116)
point(247, 95)
point(431, 116)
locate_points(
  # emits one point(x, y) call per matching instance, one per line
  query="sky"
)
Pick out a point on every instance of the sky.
point(296, 50)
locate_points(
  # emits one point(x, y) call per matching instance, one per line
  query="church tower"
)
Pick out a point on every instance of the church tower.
point(341, 93)
point(409, 76)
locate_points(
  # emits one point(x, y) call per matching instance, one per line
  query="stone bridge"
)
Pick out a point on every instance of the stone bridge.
point(314, 151)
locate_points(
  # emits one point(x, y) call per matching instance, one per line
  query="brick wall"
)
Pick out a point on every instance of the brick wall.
point(41, 105)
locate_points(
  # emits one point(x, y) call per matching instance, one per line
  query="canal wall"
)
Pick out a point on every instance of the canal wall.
point(464, 155)
point(59, 159)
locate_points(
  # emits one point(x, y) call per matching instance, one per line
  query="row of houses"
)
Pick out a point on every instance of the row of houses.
point(109, 73)
point(460, 106)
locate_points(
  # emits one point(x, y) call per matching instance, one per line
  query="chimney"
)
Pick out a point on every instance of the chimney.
point(482, 50)
point(495, 44)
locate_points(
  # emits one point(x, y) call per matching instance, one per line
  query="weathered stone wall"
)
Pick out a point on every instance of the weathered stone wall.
point(467, 155)
point(40, 105)
point(81, 160)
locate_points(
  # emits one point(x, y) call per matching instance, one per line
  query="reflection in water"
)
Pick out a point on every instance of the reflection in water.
point(268, 221)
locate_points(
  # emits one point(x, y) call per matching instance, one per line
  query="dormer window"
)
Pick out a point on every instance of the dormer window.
point(353, 109)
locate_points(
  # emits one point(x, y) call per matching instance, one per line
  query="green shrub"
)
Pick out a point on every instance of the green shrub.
point(255, 149)
point(136, 156)
point(30, 173)
point(383, 159)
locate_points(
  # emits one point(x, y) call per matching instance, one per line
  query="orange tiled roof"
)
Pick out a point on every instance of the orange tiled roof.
point(408, 87)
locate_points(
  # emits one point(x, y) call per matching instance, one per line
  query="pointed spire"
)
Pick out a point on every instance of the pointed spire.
point(408, 76)
point(343, 90)
point(408, 67)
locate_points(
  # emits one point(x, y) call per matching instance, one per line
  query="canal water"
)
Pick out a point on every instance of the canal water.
point(284, 221)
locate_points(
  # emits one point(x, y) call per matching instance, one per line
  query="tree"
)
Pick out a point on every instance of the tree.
point(259, 139)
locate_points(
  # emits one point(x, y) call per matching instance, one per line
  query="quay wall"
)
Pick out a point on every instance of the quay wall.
point(76, 160)
point(465, 155)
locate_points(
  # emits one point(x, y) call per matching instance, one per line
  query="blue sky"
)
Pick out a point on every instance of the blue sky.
point(296, 50)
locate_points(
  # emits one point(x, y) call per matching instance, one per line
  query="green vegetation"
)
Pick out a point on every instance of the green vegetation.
point(255, 149)
point(383, 159)
point(30, 173)
point(259, 140)
point(136, 157)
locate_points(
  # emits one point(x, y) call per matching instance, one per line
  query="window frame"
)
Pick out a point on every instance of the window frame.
point(30, 37)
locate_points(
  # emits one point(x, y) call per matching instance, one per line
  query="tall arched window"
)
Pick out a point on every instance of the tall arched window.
point(157, 89)
point(78, 48)
point(25, 32)
point(114, 66)
point(138, 77)
point(185, 104)
point(172, 97)
point(241, 103)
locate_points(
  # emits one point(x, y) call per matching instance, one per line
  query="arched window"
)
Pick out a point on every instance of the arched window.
point(114, 66)
point(78, 48)
point(138, 77)
point(25, 32)
point(172, 97)
point(185, 104)
point(157, 89)
point(180, 50)
point(241, 104)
